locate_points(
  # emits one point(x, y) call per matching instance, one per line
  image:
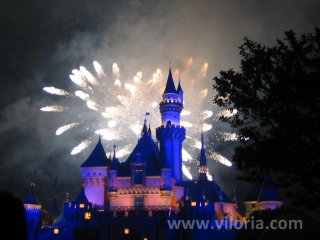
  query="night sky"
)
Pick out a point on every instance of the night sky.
point(42, 41)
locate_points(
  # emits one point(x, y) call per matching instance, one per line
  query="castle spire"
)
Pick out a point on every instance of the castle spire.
point(144, 129)
point(179, 88)
point(115, 162)
point(54, 205)
point(31, 197)
point(114, 150)
point(170, 87)
point(203, 158)
point(149, 130)
point(203, 162)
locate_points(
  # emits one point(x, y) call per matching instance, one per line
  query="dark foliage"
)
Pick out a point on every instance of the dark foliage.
point(277, 97)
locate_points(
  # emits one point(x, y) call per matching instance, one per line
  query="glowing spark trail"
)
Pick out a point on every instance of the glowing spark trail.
point(218, 157)
point(228, 136)
point(204, 70)
point(55, 108)
point(203, 94)
point(98, 69)
point(206, 114)
point(64, 128)
point(83, 145)
point(56, 91)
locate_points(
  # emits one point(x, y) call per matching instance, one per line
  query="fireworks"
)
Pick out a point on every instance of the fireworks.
point(56, 91)
point(64, 128)
point(116, 108)
point(82, 145)
point(54, 108)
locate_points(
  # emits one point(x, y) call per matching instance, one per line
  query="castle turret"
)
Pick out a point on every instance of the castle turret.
point(171, 105)
point(33, 212)
point(94, 175)
point(171, 134)
point(180, 92)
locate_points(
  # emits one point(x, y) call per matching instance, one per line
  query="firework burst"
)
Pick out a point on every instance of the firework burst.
point(117, 108)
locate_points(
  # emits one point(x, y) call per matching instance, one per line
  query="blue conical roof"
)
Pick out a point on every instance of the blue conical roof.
point(82, 198)
point(31, 198)
point(97, 158)
point(150, 155)
point(170, 87)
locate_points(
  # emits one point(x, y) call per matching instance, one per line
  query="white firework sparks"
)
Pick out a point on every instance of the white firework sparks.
point(56, 91)
point(218, 157)
point(82, 145)
point(227, 113)
point(115, 108)
point(227, 136)
point(54, 108)
point(65, 128)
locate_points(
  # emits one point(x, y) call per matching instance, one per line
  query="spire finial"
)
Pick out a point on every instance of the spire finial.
point(144, 128)
point(149, 130)
point(99, 139)
point(202, 144)
point(114, 149)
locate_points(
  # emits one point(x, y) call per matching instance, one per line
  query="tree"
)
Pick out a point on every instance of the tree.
point(277, 98)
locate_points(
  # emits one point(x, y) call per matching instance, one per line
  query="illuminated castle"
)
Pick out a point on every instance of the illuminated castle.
point(135, 198)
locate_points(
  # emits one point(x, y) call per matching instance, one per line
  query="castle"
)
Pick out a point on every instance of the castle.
point(135, 198)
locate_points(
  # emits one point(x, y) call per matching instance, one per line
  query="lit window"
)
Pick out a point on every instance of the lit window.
point(87, 216)
point(126, 213)
point(193, 204)
point(56, 231)
point(145, 238)
point(126, 231)
point(81, 205)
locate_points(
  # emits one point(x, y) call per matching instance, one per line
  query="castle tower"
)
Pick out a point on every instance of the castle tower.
point(94, 174)
point(33, 212)
point(171, 134)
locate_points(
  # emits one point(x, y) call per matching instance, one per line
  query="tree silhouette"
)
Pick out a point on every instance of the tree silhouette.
point(276, 94)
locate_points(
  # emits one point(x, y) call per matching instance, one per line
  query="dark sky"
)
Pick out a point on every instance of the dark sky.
point(42, 41)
